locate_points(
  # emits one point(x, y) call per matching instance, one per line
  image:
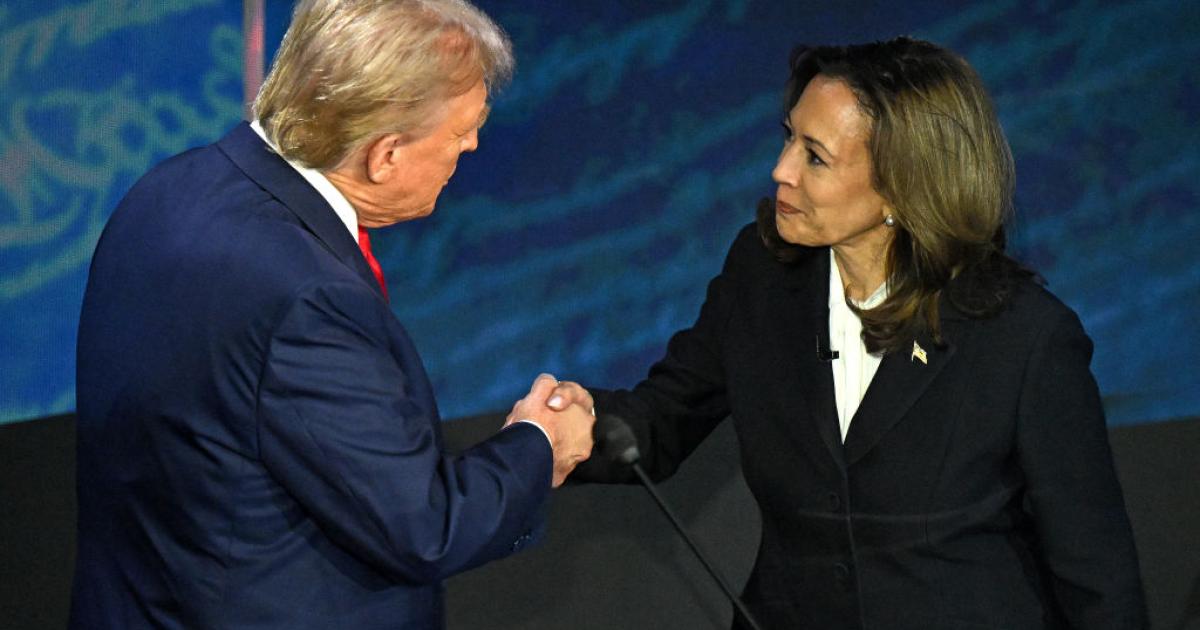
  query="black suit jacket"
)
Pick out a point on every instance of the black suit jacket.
point(258, 442)
point(973, 491)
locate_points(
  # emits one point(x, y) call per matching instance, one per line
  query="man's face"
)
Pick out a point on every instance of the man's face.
point(422, 162)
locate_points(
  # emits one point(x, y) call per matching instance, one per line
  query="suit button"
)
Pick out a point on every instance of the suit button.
point(841, 575)
point(520, 542)
point(835, 501)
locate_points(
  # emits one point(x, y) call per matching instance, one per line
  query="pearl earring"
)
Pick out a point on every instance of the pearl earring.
point(889, 221)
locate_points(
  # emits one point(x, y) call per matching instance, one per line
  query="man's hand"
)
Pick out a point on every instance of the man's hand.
point(569, 427)
point(567, 393)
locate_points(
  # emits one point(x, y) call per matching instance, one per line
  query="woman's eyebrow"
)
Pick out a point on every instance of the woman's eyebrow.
point(813, 141)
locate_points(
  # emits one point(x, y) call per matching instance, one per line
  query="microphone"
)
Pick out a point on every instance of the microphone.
point(825, 354)
point(621, 443)
point(617, 439)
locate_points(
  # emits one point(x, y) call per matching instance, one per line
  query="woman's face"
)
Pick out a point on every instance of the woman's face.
point(825, 195)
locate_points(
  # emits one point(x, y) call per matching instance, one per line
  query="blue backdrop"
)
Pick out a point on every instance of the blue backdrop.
point(615, 170)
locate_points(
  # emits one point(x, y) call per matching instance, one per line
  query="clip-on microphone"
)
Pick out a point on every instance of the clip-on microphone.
point(825, 354)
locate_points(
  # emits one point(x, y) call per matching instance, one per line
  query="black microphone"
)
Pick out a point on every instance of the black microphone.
point(825, 354)
point(622, 445)
point(615, 437)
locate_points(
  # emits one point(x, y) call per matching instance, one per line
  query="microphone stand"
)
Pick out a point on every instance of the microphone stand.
point(740, 608)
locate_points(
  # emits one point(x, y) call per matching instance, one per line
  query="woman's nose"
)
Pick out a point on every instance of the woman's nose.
point(787, 171)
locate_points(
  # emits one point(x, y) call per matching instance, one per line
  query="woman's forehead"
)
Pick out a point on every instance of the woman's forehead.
point(829, 111)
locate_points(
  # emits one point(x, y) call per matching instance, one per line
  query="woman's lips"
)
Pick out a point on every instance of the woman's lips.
point(784, 208)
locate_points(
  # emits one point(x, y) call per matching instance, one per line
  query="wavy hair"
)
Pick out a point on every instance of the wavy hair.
point(349, 71)
point(940, 160)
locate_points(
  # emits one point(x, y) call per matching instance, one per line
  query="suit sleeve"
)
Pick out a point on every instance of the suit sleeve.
point(683, 397)
point(1082, 526)
point(342, 428)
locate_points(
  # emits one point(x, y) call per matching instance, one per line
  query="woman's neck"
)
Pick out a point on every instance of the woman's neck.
point(862, 267)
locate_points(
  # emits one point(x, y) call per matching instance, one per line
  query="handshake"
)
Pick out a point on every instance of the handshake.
point(565, 411)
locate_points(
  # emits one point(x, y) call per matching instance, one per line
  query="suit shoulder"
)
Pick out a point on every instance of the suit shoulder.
point(1033, 311)
point(197, 178)
point(161, 178)
point(1032, 299)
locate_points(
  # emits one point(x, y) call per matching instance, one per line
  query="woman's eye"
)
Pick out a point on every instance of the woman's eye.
point(814, 159)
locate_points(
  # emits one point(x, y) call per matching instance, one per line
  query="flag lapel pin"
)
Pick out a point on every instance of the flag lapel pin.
point(918, 354)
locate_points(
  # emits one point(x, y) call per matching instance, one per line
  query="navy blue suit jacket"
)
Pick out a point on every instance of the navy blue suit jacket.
point(258, 443)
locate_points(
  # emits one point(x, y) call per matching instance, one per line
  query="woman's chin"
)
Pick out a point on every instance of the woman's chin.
point(794, 235)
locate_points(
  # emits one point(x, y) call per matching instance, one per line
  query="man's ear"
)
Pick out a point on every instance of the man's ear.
point(382, 157)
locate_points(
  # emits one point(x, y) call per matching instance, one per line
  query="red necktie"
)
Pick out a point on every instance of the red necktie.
point(364, 243)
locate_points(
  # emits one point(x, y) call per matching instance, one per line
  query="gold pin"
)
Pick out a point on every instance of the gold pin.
point(918, 354)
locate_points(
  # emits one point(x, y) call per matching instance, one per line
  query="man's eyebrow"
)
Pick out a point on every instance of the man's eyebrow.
point(483, 116)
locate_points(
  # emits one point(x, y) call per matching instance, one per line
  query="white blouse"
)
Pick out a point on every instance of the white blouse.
point(855, 367)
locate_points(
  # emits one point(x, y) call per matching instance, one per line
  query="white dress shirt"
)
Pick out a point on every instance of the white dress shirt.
point(855, 367)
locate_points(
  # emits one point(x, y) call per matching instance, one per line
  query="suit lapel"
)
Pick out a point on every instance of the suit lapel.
point(901, 379)
point(261, 164)
point(802, 329)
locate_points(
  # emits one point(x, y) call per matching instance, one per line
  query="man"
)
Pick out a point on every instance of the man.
point(258, 441)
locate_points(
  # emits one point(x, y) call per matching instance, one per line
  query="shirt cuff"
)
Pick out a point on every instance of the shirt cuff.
point(539, 428)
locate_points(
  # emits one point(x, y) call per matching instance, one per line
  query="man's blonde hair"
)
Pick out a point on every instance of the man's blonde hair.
point(349, 71)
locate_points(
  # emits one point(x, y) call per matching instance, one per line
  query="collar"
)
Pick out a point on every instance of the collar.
point(246, 150)
point(341, 206)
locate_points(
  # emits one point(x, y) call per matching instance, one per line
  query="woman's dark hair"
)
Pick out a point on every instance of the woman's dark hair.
point(940, 160)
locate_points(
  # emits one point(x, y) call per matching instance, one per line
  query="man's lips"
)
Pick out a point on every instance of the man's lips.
point(785, 208)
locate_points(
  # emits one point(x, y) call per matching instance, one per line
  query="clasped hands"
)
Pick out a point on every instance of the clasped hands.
point(565, 411)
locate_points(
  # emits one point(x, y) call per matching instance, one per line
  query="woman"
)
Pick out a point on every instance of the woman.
point(916, 416)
